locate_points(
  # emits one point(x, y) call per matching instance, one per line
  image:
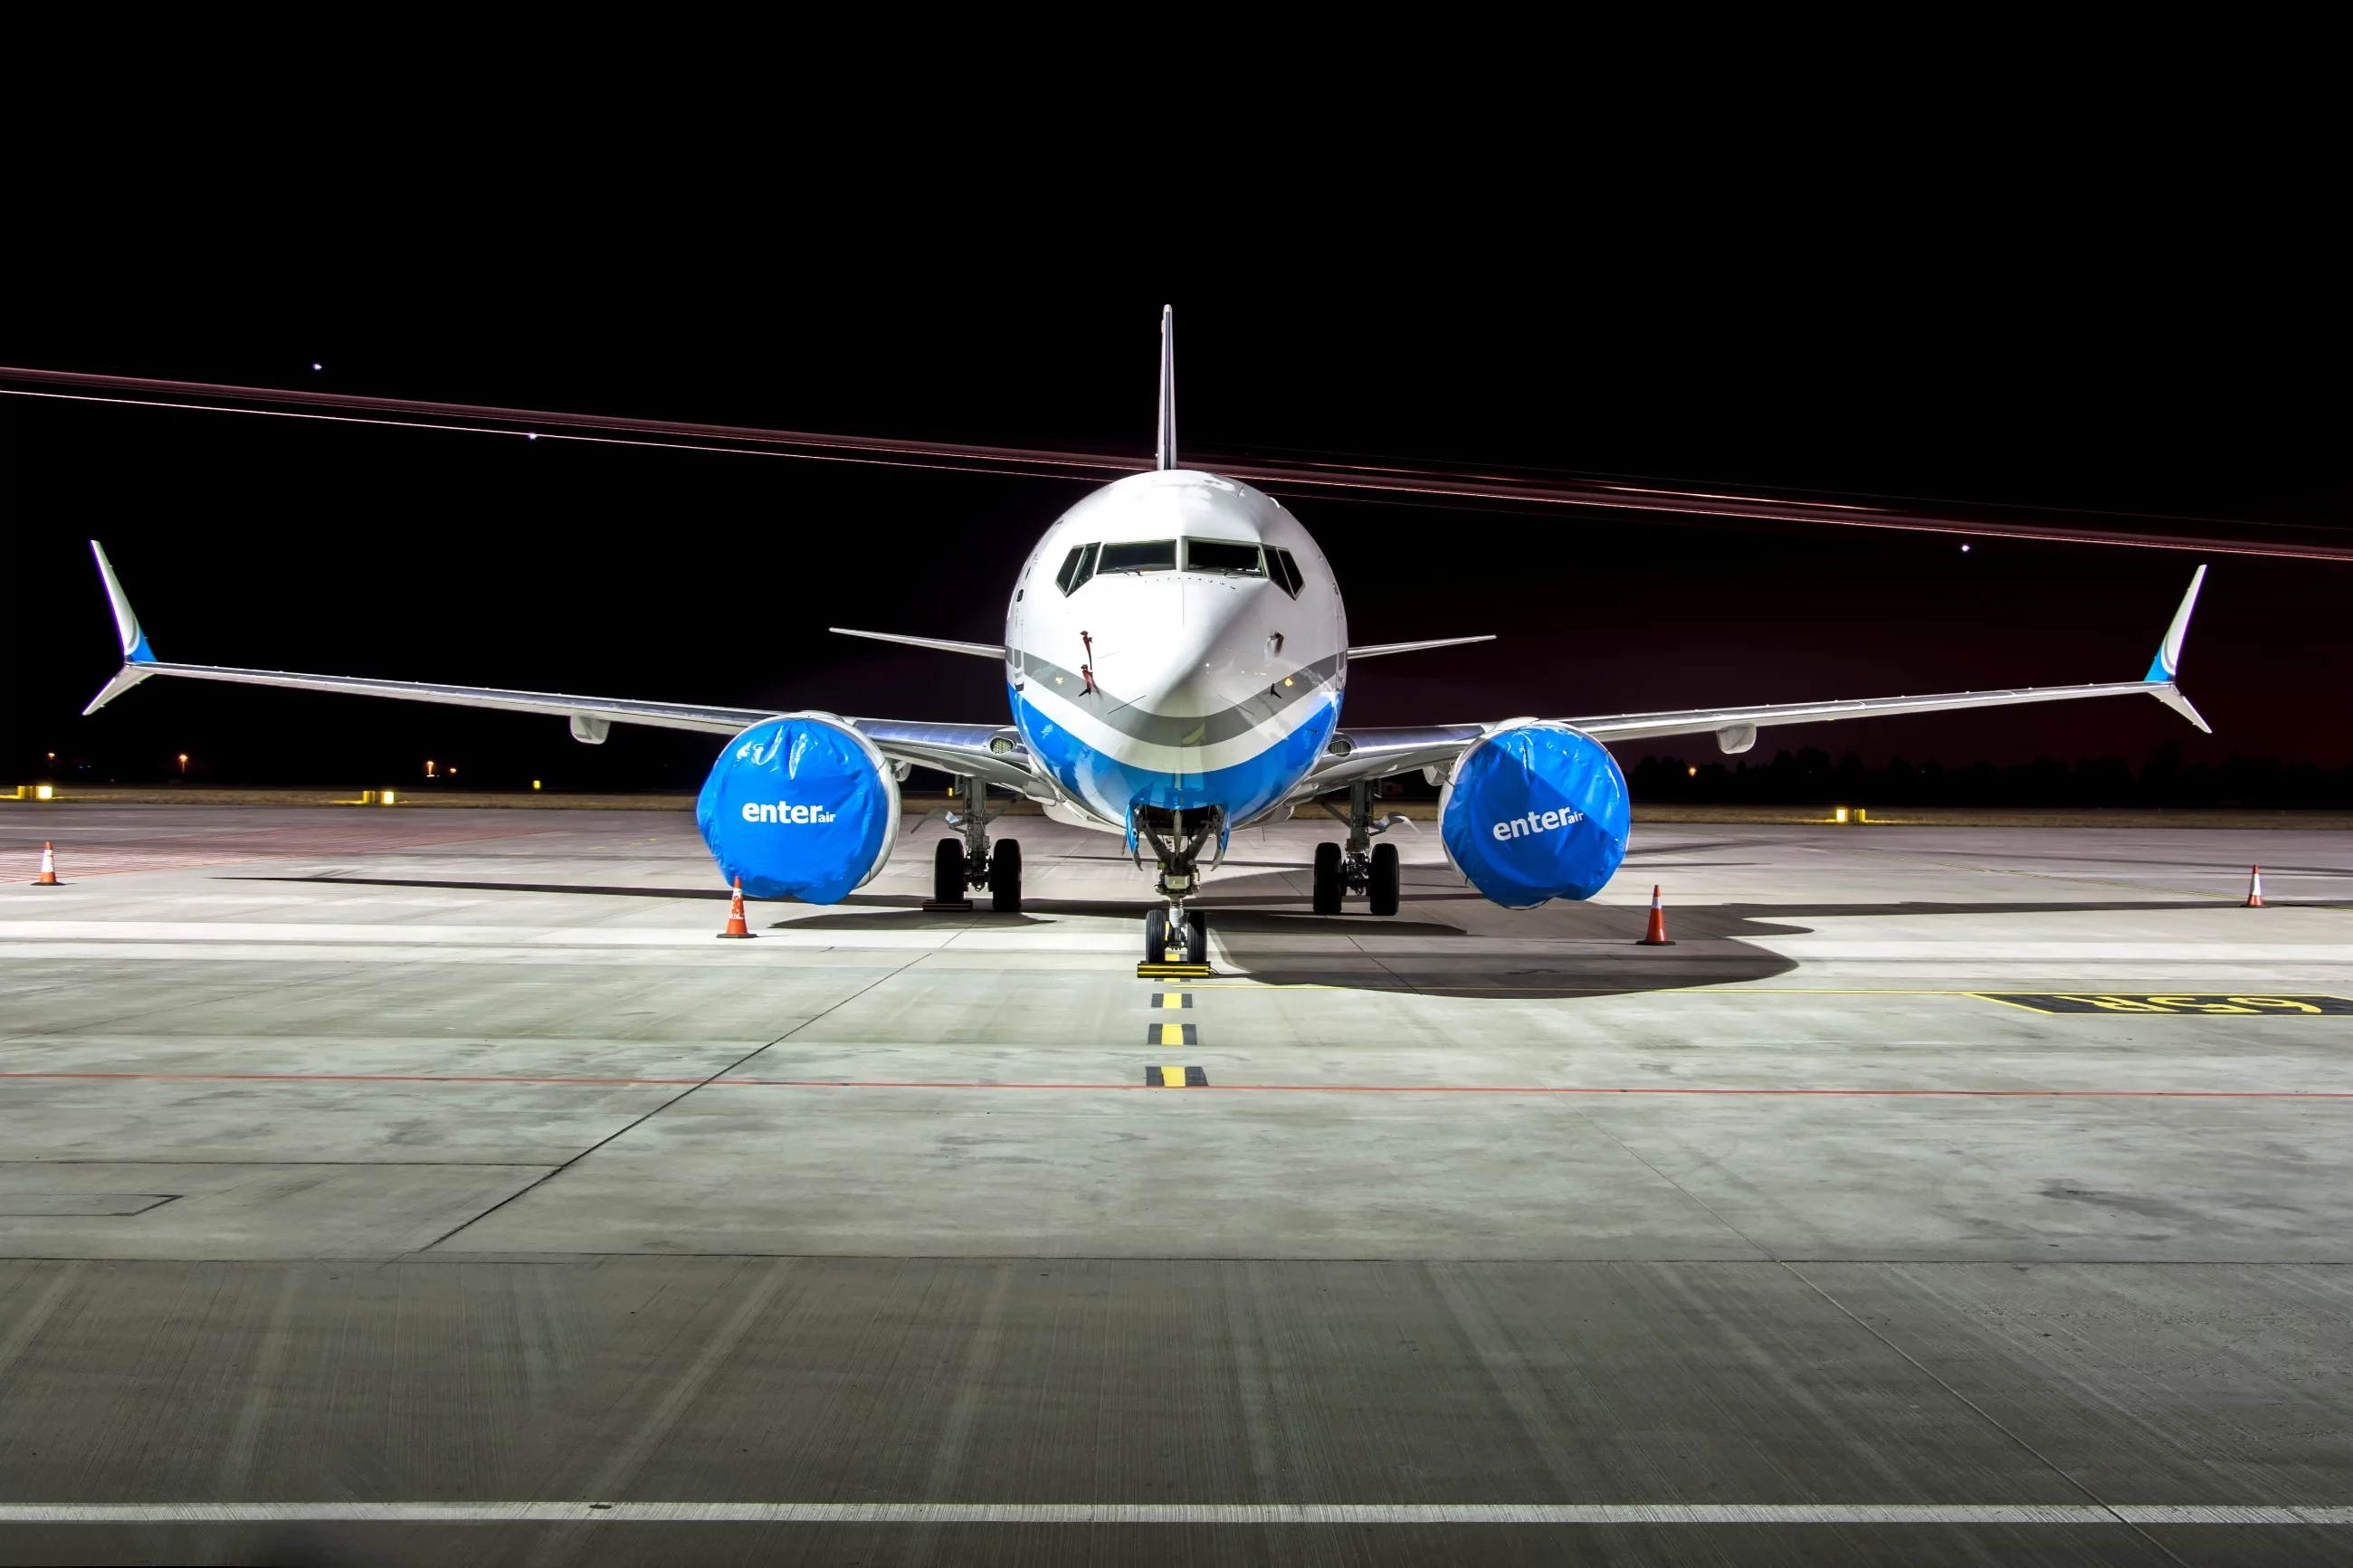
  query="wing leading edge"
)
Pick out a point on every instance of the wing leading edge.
point(983, 751)
point(1378, 753)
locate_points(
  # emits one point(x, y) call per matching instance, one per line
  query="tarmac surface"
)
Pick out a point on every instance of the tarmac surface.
point(420, 1184)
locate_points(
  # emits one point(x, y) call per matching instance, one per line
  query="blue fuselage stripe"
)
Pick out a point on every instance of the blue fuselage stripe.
point(1112, 788)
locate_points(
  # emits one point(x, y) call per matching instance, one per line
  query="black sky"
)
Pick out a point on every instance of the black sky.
point(2113, 343)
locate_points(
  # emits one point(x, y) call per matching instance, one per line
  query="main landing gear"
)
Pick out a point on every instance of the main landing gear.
point(1178, 838)
point(1363, 867)
point(961, 864)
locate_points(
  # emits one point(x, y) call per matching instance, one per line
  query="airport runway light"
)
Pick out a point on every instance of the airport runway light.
point(1838, 814)
point(387, 797)
point(183, 765)
point(428, 767)
point(45, 792)
point(1691, 772)
point(534, 783)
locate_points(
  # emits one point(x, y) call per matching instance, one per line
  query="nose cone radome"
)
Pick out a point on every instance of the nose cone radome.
point(1186, 649)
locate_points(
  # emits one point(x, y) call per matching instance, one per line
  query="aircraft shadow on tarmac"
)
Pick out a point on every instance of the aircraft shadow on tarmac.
point(1561, 950)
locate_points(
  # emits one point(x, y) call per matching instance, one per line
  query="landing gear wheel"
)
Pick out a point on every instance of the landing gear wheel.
point(1005, 877)
point(947, 871)
point(1382, 886)
point(1196, 937)
point(1327, 880)
point(1155, 936)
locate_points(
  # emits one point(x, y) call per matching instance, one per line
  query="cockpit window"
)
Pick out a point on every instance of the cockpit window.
point(1140, 556)
point(1284, 571)
point(1077, 567)
point(1223, 556)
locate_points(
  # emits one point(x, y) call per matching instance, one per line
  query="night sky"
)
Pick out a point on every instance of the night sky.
point(2090, 368)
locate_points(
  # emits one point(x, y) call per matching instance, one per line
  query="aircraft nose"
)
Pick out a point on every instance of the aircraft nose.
point(1198, 658)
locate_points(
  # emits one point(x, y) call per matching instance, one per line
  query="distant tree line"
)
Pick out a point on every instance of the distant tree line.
point(1809, 777)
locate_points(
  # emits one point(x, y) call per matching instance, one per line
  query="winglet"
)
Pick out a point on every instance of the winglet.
point(126, 620)
point(138, 659)
point(2169, 652)
point(2165, 692)
point(1166, 451)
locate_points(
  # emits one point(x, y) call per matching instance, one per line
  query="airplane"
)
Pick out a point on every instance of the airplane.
point(1175, 655)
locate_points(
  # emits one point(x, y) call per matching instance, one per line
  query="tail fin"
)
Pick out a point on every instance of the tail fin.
point(1167, 449)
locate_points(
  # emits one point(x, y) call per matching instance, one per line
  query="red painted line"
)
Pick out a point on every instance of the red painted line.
point(1196, 1089)
point(343, 1078)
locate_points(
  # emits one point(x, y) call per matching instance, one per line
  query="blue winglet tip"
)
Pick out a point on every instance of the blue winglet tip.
point(2158, 672)
point(139, 652)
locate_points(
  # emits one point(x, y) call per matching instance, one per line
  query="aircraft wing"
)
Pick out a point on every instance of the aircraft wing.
point(991, 752)
point(988, 752)
point(1371, 753)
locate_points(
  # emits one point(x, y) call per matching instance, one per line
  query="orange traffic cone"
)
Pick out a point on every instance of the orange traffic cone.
point(1657, 934)
point(735, 926)
point(48, 876)
point(2254, 887)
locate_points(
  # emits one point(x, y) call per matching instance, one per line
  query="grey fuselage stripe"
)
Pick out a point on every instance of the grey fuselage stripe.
point(1159, 729)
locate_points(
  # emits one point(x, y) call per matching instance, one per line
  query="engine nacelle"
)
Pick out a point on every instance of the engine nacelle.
point(801, 806)
point(1536, 812)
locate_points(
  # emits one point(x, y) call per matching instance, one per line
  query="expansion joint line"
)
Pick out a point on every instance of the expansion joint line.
point(2202, 898)
point(633, 1125)
point(1982, 1413)
point(1912, 1361)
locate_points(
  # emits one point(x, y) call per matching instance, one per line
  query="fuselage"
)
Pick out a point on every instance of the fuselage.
point(1176, 641)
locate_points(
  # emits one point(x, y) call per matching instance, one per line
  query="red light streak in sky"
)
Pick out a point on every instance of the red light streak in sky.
point(1428, 484)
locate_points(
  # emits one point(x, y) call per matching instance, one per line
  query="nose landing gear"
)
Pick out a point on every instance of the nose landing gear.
point(1178, 838)
point(1176, 936)
point(1363, 867)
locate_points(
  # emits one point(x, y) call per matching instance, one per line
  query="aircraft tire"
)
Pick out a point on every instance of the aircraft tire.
point(1382, 886)
point(1196, 937)
point(1005, 877)
point(1155, 935)
point(1327, 878)
point(947, 872)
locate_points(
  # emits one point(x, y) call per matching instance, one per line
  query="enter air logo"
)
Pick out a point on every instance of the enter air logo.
point(785, 812)
point(1534, 822)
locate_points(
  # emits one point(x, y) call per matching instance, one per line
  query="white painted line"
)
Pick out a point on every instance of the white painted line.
point(1853, 949)
point(1663, 1513)
point(119, 936)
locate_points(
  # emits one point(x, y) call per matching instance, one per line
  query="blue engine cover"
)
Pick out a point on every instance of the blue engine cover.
point(802, 806)
point(1536, 812)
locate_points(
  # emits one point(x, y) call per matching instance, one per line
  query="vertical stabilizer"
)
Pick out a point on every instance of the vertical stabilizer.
point(1167, 448)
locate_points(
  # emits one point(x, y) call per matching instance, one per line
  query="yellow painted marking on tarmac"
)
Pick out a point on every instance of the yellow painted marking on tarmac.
point(2171, 1003)
point(1173, 1076)
point(1988, 997)
point(1441, 992)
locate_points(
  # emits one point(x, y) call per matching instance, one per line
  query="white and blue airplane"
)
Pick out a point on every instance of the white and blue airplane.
point(1175, 654)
